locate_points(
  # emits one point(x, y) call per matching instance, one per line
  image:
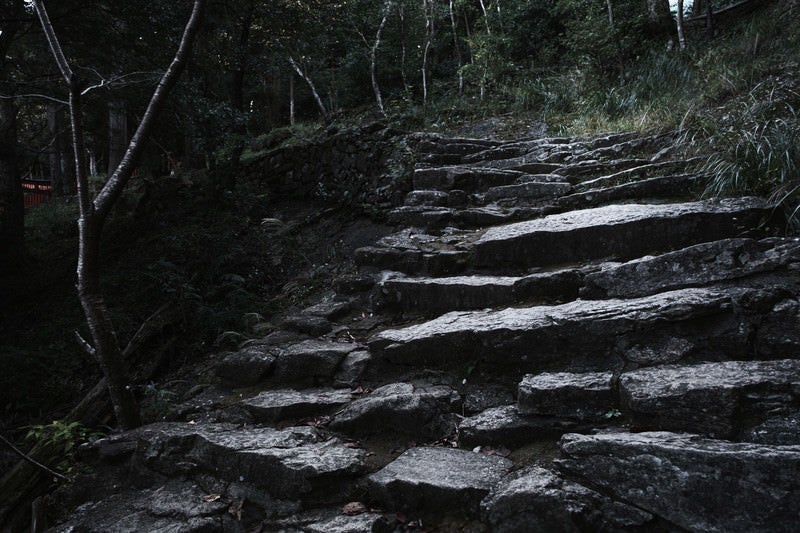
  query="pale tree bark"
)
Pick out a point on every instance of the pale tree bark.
point(291, 100)
point(457, 48)
point(428, 6)
point(300, 72)
point(94, 212)
point(401, 14)
point(679, 22)
point(373, 57)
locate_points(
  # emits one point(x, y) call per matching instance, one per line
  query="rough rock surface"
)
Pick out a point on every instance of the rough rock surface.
point(425, 411)
point(274, 406)
point(539, 500)
point(622, 230)
point(696, 483)
point(587, 395)
point(716, 399)
point(437, 479)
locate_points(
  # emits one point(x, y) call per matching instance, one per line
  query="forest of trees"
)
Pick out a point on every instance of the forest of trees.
point(259, 65)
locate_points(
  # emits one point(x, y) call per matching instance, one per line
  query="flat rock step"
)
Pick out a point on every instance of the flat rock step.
point(437, 480)
point(429, 295)
point(623, 231)
point(717, 399)
point(291, 463)
point(601, 335)
point(695, 483)
point(539, 499)
point(701, 264)
point(289, 404)
point(469, 179)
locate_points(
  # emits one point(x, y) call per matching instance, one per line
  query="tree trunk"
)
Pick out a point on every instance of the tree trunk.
point(12, 210)
point(457, 48)
point(429, 29)
point(373, 58)
point(93, 214)
point(291, 100)
point(679, 22)
point(310, 83)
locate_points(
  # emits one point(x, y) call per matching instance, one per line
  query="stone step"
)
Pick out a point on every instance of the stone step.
point(308, 362)
point(722, 400)
point(623, 231)
point(529, 190)
point(686, 324)
point(290, 404)
point(673, 187)
point(465, 178)
point(419, 411)
point(698, 265)
point(431, 295)
point(692, 483)
point(437, 481)
point(540, 499)
point(291, 463)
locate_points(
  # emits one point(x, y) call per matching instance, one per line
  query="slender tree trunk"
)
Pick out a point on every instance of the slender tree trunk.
point(457, 48)
point(291, 100)
point(429, 29)
point(373, 57)
point(403, 46)
point(93, 213)
point(310, 83)
point(679, 22)
point(709, 19)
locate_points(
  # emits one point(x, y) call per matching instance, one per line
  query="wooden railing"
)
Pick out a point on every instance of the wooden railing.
point(36, 192)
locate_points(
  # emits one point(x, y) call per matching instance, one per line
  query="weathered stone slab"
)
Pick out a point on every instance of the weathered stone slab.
point(287, 463)
point(442, 262)
point(426, 198)
point(423, 411)
point(528, 190)
point(437, 480)
point(778, 431)
point(176, 507)
point(311, 361)
point(438, 295)
point(352, 368)
point(537, 499)
point(563, 394)
point(590, 335)
point(468, 179)
point(716, 399)
point(286, 404)
point(665, 187)
point(623, 231)
point(697, 265)
point(505, 426)
point(248, 366)
point(696, 483)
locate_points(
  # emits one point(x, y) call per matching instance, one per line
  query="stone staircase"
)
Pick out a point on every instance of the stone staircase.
point(559, 337)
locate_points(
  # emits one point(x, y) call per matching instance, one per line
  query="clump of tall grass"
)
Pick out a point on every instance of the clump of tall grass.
point(757, 150)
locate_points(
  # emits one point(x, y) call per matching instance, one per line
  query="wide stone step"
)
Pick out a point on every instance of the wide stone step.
point(539, 499)
point(291, 463)
point(437, 481)
point(695, 483)
point(701, 264)
point(465, 178)
point(430, 295)
point(287, 404)
point(623, 231)
point(722, 399)
point(668, 327)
